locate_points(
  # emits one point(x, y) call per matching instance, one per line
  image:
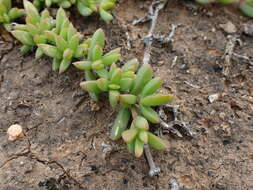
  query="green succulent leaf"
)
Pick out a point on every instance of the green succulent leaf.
point(120, 123)
point(151, 87)
point(56, 64)
point(126, 84)
point(114, 96)
point(129, 135)
point(128, 99)
point(88, 77)
point(50, 50)
point(65, 63)
point(150, 114)
point(144, 75)
point(83, 65)
point(156, 100)
point(90, 86)
point(103, 84)
point(131, 65)
point(138, 148)
point(143, 136)
point(98, 38)
point(116, 76)
point(141, 123)
point(247, 8)
point(105, 15)
point(24, 37)
point(157, 143)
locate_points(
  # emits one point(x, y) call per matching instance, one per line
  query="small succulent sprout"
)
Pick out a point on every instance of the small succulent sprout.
point(141, 123)
point(96, 61)
point(61, 3)
point(138, 135)
point(138, 147)
point(63, 43)
point(87, 7)
point(9, 14)
point(140, 138)
point(33, 32)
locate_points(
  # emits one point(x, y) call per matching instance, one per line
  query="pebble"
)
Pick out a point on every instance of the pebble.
point(213, 97)
point(15, 132)
point(248, 30)
point(229, 27)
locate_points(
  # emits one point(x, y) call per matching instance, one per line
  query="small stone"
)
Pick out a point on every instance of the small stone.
point(15, 132)
point(248, 30)
point(226, 142)
point(222, 115)
point(213, 97)
point(229, 27)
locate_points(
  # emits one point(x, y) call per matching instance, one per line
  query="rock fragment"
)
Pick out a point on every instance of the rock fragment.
point(15, 132)
point(213, 97)
point(248, 30)
point(229, 27)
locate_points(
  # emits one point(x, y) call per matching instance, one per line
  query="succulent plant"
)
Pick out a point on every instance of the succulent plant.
point(33, 32)
point(64, 43)
point(87, 7)
point(246, 6)
point(8, 14)
point(61, 3)
point(127, 90)
point(138, 135)
point(130, 91)
point(84, 7)
point(96, 61)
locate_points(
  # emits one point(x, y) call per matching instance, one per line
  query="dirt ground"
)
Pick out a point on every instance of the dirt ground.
point(66, 132)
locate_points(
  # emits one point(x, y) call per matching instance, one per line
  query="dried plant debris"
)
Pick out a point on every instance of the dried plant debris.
point(174, 125)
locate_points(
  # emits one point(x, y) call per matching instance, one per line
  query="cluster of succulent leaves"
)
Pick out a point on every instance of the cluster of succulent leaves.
point(130, 89)
point(56, 38)
point(87, 7)
point(246, 6)
point(84, 7)
point(8, 14)
point(33, 32)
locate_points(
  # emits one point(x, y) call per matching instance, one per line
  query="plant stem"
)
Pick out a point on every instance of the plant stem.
point(148, 40)
point(153, 169)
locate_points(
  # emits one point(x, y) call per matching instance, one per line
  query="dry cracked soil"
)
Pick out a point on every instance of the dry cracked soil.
point(66, 132)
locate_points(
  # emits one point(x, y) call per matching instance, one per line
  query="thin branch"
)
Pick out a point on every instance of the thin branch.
point(164, 39)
